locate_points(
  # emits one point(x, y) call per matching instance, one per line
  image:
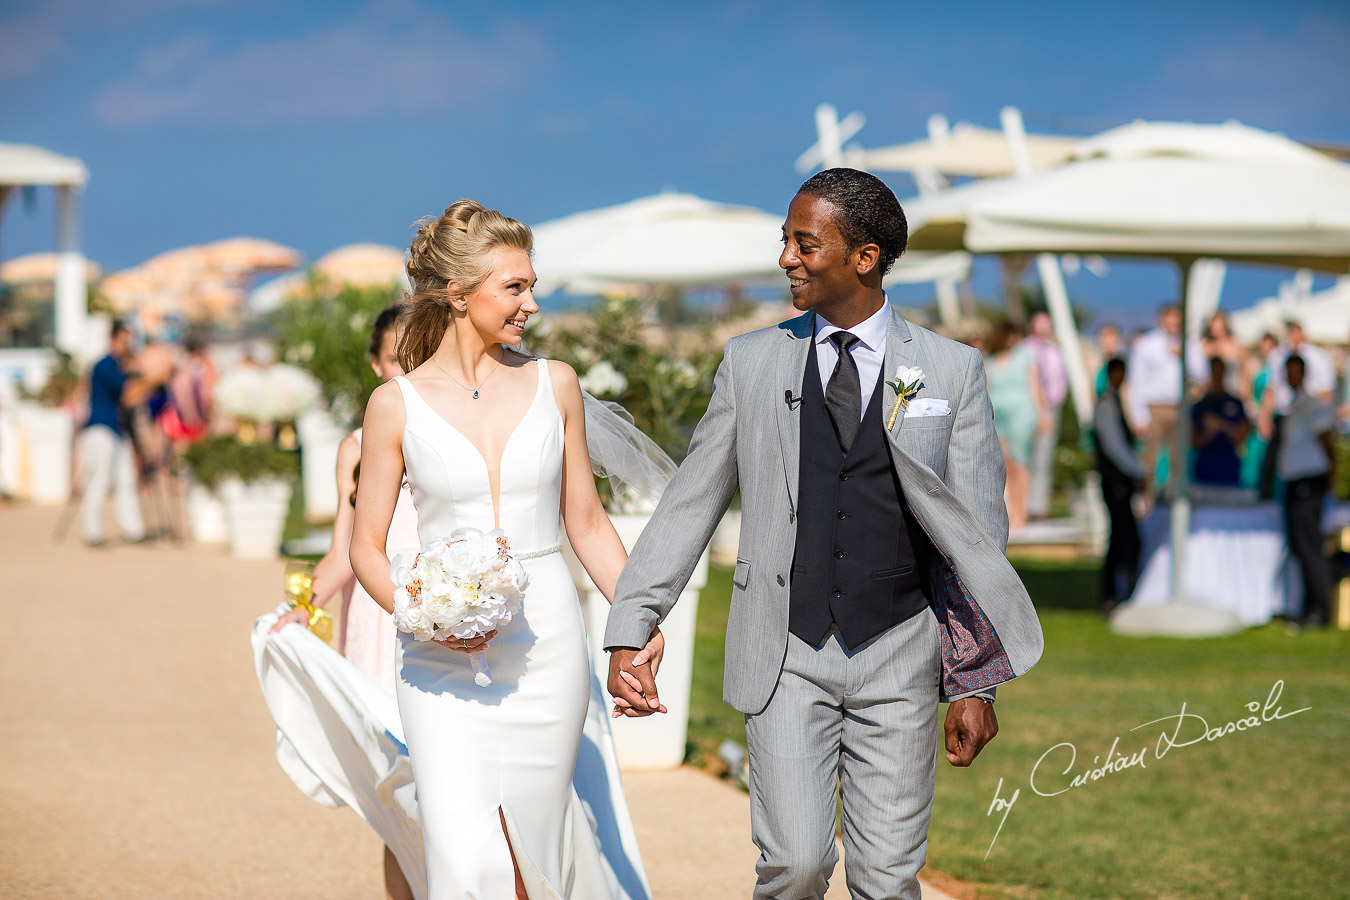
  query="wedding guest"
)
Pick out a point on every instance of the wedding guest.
point(1108, 348)
point(1219, 341)
point(1320, 378)
point(187, 417)
point(1219, 425)
point(1054, 386)
point(107, 457)
point(368, 638)
point(1307, 459)
point(1020, 411)
point(1258, 468)
point(1121, 474)
point(1154, 388)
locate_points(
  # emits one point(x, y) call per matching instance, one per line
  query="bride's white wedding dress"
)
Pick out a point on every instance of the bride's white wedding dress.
point(479, 755)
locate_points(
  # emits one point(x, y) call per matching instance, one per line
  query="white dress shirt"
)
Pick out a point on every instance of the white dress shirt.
point(1319, 373)
point(869, 354)
point(1154, 373)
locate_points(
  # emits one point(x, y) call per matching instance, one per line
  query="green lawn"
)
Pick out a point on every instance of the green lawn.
point(1262, 813)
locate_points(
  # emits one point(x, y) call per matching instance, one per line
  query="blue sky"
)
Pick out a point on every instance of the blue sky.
point(324, 123)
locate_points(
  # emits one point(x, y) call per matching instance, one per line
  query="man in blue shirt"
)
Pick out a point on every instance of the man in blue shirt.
point(1219, 426)
point(107, 458)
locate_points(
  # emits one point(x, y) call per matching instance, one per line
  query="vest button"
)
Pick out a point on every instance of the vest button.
point(839, 554)
point(842, 514)
point(837, 594)
point(781, 582)
point(844, 476)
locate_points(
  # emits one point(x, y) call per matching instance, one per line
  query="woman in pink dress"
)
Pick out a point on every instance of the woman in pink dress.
point(368, 638)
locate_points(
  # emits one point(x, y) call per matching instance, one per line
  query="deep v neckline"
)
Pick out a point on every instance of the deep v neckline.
point(482, 457)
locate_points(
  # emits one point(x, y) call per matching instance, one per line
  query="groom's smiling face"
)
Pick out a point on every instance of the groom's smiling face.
point(822, 271)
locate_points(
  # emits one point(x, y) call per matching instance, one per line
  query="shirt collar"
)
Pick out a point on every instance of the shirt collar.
point(870, 332)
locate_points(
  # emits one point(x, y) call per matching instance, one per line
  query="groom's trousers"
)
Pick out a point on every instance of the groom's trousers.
point(864, 721)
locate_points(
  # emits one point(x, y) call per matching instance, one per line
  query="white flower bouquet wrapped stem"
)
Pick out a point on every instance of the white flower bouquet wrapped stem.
point(463, 586)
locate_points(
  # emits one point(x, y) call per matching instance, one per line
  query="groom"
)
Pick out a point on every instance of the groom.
point(871, 581)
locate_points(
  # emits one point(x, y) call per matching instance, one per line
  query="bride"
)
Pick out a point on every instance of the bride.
point(490, 438)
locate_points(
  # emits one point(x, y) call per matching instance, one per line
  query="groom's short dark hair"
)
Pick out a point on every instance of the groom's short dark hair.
point(866, 211)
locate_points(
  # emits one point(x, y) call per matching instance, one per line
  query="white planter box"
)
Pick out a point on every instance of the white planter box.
point(47, 436)
point(255, 515)
point(206, 516)
point(319, 439)
point(653, 742)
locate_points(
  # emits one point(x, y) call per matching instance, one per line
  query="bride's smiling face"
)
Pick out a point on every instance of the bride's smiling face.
point(505, 299)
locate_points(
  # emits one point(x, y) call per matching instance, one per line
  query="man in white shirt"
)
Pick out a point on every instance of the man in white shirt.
point(1305, 461)
point(1320, 377)
point(1154, 384)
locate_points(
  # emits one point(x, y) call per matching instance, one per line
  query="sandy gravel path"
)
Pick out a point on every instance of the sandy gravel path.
point(136, 755)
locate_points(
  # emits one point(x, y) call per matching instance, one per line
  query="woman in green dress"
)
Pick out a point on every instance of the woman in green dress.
point(1020, 411)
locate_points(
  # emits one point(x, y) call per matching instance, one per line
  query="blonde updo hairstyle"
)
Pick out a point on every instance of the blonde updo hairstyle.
point(453, 247)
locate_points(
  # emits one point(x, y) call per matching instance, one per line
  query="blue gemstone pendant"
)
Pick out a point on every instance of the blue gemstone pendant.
point(475, 395)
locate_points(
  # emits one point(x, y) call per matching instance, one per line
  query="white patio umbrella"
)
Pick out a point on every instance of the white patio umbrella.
point(1175, 191)
point(680, 240)
point(669, 239)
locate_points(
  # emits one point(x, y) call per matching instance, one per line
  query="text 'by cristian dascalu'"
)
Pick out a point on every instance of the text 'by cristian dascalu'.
point(1058, 772)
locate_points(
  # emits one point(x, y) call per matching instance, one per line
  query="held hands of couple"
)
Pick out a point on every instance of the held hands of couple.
point(970, 724)
point(632, 678)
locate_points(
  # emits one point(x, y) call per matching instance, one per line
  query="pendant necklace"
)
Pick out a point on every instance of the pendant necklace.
point(462, 384)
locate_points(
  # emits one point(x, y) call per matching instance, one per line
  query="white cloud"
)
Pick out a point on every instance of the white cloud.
point(28, 41)
point(391, 57)
point(35, 33)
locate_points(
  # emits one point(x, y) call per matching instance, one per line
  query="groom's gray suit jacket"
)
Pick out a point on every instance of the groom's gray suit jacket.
point(951, 470)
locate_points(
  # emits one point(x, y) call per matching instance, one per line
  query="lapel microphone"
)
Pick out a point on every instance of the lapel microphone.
point(791, 401)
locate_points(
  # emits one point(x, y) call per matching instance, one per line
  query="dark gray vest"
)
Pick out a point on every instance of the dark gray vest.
point(855, 565)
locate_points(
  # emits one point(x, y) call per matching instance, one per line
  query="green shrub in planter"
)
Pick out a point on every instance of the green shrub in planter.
point(218, 458)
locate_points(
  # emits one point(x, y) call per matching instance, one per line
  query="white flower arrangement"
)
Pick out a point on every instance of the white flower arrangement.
point(461, 587)
point(603, 380)
point(277, 393)
point(240, 392)
point(289, 392)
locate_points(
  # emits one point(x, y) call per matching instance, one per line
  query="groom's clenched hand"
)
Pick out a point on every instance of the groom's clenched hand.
point(633, 687)
point(970, 725)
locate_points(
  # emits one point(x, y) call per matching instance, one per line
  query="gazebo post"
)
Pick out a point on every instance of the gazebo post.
point(70, 287)
point(1052, 282)
point(1179, 474)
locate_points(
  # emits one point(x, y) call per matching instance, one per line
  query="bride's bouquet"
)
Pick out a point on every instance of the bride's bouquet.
point(463, 586)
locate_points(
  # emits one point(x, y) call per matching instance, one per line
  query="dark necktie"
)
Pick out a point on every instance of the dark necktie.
point(843, 394)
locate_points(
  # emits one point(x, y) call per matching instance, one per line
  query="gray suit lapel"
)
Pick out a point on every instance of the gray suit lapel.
point(797, 335)
point(900, 351)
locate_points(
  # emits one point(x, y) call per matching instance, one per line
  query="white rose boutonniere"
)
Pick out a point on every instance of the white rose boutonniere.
point(908, 380)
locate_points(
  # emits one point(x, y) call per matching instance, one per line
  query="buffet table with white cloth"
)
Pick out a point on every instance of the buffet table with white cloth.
point(1236, 559)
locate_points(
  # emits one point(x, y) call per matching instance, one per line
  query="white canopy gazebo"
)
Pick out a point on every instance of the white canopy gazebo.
point(24, 165)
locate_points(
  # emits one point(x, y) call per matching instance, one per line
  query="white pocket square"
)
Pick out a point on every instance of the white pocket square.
point(928, 406)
